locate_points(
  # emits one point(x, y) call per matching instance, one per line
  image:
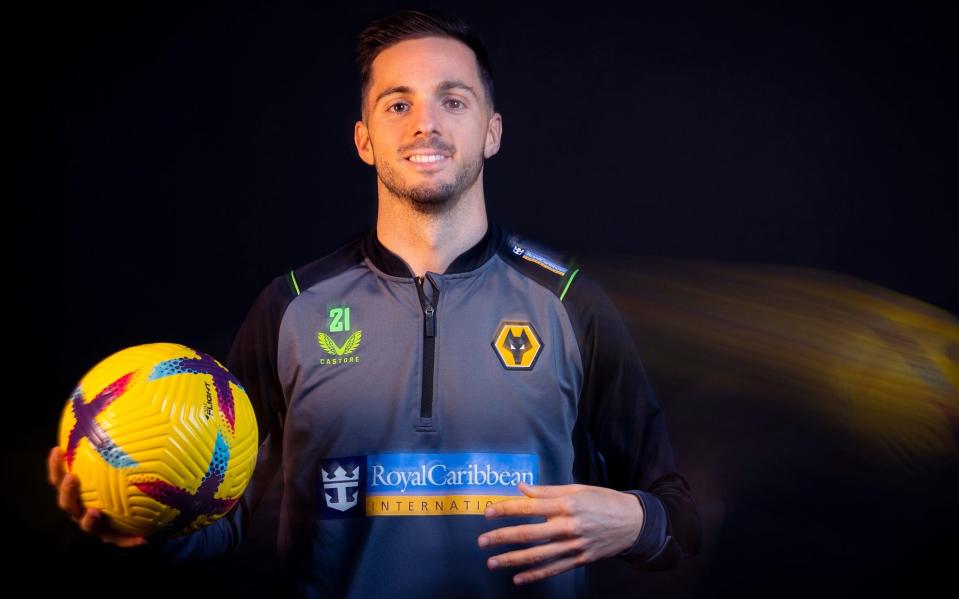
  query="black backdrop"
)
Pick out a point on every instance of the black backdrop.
point(171, 159)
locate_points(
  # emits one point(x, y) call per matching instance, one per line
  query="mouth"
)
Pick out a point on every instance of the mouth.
point(428, 161)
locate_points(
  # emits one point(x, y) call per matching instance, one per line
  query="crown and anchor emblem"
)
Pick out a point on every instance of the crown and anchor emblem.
point(341, 487)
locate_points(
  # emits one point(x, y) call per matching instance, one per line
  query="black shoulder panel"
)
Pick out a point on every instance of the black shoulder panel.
point(340, 259)
point(550, 268)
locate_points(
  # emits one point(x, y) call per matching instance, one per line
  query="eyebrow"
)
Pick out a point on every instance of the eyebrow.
point(441, 87)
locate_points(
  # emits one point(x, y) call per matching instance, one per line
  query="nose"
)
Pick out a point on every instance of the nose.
point(426, 119)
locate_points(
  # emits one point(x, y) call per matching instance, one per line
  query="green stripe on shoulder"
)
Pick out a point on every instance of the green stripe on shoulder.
point(570, 275)
point(296, 286)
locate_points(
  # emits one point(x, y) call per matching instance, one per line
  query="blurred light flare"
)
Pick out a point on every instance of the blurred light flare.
point(879, 365)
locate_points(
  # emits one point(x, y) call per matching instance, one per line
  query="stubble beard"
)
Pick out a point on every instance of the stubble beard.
point(429, 198)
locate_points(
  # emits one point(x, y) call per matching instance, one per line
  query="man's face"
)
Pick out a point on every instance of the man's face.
point(428, 127)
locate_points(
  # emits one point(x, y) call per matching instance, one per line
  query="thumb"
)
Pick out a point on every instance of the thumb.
point(545, 490)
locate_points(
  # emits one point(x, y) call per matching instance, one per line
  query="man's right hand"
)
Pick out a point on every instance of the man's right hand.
point(91, 521)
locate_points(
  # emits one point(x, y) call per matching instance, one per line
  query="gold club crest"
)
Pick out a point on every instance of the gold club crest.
point(517, 344)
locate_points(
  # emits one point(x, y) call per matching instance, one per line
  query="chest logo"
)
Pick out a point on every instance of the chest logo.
point(342, 483)
point(421, 484)
point(517, 344)
point(339, 322)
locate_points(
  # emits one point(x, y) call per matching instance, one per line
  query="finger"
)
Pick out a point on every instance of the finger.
point(534, 555)
point(108, 535)
point(543, 491)
point(528, 506)
point(97, 523)
point(90, 521)
point(523, 533)
point(122, 540)
point(552, 569)
point(55, 466)
point(70, 495)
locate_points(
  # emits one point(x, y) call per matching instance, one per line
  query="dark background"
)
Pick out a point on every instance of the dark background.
point(171, 159)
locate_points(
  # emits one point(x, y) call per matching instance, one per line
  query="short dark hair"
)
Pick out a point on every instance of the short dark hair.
point(411, 24)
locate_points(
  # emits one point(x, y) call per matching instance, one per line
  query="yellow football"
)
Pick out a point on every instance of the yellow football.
point(162, 437)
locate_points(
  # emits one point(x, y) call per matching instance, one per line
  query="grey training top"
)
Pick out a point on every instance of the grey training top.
point(399, 407)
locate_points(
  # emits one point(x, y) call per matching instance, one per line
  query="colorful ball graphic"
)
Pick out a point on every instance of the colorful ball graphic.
point(162, 437)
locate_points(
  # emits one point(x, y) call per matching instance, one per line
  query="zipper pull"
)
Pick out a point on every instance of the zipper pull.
point(430, 323)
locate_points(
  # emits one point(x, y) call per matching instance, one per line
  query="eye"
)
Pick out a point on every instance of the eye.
point(391, 106)
point(458, 104)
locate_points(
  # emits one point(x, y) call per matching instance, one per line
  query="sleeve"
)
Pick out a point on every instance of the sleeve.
point(627, 433)
point(252, 360)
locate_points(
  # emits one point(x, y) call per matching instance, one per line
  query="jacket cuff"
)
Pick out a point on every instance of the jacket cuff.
point(652, 536)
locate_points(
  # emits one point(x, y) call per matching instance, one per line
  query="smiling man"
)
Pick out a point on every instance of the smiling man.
point(431, 173)
point(428, 127)
point(457, 411)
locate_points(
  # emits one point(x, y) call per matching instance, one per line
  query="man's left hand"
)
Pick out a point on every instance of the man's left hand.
point(584, 524)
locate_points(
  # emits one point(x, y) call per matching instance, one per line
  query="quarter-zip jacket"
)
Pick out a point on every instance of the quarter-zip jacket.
point(398, 407)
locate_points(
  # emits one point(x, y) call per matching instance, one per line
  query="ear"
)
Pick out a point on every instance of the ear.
point(494, 132)
point(361, 137)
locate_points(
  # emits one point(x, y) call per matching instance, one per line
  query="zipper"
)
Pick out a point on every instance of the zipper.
point(429, 351)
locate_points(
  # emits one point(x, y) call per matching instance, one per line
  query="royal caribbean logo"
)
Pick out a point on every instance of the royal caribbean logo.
point(340, 485)
point(339, 322)
point(538, 258)
point(517, 345)
point(421, 484)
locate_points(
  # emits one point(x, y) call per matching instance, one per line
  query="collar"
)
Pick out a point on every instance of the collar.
point(392, 264)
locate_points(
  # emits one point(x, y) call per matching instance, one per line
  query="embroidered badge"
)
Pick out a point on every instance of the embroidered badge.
point(517, 344)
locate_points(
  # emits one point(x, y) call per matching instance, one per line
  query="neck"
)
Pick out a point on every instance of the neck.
point(430, 242)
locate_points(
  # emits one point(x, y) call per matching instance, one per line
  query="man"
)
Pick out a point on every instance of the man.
point(439, 373)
